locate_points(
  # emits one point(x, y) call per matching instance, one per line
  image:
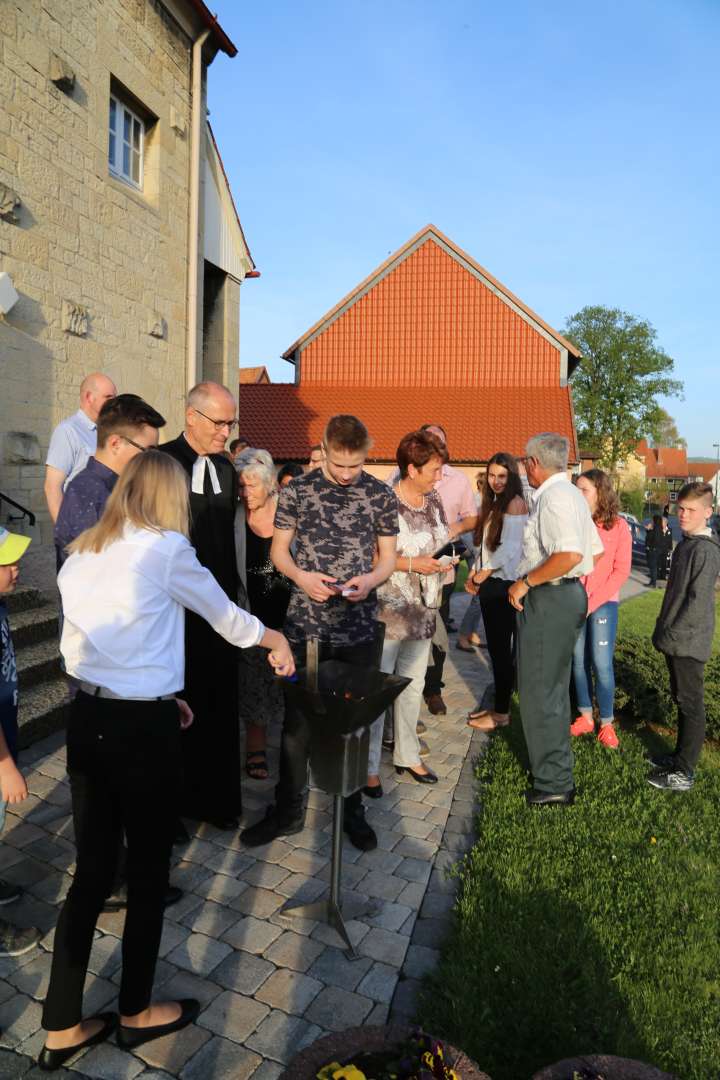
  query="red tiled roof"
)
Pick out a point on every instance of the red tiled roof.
point(431, 316)
point(287, 419)
point(706, 469)
point(663, 462)
point(249, 375)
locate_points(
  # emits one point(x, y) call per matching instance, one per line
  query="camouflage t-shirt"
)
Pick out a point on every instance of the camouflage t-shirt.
point(336, 531)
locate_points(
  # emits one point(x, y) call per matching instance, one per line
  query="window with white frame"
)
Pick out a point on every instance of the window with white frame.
point(125, 143)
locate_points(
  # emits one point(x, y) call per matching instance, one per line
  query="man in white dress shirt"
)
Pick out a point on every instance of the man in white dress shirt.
point(560, 545)
point(74, 440)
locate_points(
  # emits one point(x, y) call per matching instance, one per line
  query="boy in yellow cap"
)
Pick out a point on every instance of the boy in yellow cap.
point(13, 789)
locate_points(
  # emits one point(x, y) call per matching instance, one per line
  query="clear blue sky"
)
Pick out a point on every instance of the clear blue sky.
point(572, 149)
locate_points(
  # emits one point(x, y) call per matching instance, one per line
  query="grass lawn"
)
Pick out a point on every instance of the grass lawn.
point(590, 929)
point(638, 615)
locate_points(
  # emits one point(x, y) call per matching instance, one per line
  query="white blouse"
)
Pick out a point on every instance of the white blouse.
point(124, 613)
point(504, 561)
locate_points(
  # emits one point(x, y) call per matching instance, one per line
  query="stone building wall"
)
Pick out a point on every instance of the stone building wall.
point(100, 267)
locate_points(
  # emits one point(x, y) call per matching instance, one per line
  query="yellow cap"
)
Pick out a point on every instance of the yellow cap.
point(12, 546)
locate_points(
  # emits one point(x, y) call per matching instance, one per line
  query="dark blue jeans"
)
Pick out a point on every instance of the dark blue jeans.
point(593, 660)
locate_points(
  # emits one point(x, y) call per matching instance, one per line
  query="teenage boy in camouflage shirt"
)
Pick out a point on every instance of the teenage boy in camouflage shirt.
point(342, 524)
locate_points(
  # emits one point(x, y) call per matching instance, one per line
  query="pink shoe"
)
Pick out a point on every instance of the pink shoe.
point(582, 726)
point(607, 736)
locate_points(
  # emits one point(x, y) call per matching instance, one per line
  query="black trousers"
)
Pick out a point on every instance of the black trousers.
point(652, 561)
point(434, 674)
point(499, 621)
point(124, 765)
point(295, 742)
point(687, 686)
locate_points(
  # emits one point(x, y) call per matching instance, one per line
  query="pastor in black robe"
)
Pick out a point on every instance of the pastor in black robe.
point(211, 745)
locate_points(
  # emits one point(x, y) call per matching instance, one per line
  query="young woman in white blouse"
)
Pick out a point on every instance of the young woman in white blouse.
point(499, 535)
point(124, 592)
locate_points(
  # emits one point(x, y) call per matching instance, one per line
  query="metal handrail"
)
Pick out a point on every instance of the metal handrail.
point(24, 512)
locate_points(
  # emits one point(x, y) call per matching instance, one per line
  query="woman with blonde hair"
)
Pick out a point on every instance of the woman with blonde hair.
point(268, 596)
point(124, 592)
point(593, 656)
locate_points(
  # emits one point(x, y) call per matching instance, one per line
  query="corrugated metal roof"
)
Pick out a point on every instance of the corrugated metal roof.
point(287, 419)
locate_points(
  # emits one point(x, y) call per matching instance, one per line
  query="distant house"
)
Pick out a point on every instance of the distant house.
point(665, 467)
point(429, 336)
point(252, 376)
point(709, 473)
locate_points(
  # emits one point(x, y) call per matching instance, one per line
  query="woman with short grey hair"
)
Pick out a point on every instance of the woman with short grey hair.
point(268, 592)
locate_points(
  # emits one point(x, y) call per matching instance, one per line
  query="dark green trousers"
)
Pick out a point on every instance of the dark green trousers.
point(548, 627)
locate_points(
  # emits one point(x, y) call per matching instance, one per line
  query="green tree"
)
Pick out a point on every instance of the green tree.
point(632, 499)
point(618, 381)
point(665, 432)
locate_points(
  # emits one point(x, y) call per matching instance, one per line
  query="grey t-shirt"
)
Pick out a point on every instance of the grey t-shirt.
point(336, 531)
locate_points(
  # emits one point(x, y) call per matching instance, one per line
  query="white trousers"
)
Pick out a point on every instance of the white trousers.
point(408, 658)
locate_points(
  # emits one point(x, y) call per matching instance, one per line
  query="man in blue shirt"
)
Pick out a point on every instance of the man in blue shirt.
point(74, 439)
point(126, 426)
point(13, 789)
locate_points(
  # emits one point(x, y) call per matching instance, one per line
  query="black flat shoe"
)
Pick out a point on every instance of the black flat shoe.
point(129, 1038)
point(418, 777)
point(533, 797)
point(49, 1060)
point(227, 824)
point(373, 792)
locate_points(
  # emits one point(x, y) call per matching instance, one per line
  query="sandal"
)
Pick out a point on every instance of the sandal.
point(257, 769)
point(479, 713)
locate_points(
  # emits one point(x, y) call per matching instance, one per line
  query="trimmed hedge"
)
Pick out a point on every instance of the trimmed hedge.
point(643, 684)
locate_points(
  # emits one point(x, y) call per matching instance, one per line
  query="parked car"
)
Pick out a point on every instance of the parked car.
point(637, 532)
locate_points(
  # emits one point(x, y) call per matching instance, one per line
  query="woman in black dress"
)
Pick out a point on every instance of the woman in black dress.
point(268, 594)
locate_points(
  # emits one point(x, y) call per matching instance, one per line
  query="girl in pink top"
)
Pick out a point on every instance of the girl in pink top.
point(593, 656)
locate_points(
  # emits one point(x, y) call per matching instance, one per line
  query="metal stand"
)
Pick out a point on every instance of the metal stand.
point(330, 909)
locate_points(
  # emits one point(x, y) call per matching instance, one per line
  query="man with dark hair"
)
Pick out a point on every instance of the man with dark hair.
point(329, 525)
point(126, 426)
point(237, 446)
point(211, 746)
point(317, 456)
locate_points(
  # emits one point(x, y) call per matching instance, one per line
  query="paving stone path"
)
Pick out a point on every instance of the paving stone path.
point(269, 984)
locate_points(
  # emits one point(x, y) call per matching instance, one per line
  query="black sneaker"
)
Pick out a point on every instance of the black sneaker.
point(671, 781)
point(270, 827)
point(661, 761)
point(15, 941)
point(360, 834)
point(8, 893)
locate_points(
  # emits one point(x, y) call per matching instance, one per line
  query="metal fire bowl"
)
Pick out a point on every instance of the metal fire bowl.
point(371, 692)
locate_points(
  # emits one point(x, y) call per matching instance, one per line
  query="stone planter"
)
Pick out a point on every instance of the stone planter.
point(345, 1044)
point(605, 1066)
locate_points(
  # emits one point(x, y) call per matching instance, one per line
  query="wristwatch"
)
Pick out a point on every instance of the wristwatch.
point(525, 581)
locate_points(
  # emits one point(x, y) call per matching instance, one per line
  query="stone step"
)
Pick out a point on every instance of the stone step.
point(38, 663)
point(25, 598)
point(43, 710)
point(36, 624)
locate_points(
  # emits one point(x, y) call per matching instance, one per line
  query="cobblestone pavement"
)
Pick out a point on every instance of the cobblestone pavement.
point(269, 984)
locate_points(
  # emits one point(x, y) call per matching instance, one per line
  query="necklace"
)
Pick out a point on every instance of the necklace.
point(406, 501)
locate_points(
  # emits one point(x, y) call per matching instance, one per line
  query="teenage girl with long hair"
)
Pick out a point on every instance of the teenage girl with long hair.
point(499, 536)
point(124, 592)
point(593, 657)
